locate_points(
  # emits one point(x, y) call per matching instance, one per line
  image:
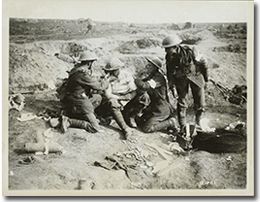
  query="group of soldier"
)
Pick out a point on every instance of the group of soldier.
point(136, 102)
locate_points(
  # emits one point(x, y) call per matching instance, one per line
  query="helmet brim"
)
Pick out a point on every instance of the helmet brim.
point(172, 44)
point(88, 60)
point(149, 60)
point(110, 69)
point(169, 46)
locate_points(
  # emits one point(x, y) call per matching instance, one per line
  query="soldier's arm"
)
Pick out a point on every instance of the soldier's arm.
point(169, 75)
point(109, 94)
point(152, 83)
point(143, 85)
point(202, 63)
point(204, 69)
point(93, 83)
point(129, 83)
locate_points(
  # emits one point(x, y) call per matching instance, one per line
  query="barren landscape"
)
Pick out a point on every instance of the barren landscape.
point(35, 72)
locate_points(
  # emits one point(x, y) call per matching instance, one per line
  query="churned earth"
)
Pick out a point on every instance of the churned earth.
point(105, 161)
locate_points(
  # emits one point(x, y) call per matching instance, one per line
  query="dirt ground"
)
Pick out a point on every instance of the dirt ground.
point(104, 161)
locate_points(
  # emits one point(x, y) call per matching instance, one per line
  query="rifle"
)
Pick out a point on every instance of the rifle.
point(228, 94)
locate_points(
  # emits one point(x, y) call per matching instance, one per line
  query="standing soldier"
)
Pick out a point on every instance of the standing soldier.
point(90, 26)
point(80, 100)
point(185, 68)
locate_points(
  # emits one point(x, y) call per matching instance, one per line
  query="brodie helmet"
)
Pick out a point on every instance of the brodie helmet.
point(170, 41)
point(113, 64)
point(87, 56)
point(155, 61)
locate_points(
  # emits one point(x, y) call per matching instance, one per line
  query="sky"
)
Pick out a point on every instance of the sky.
point(136, 11)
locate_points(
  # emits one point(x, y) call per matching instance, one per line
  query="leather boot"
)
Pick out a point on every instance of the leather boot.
point(54, 122)
point(169, 123)
point(129, 114)
point(65, 124)
point(129, 120)
point(121, 122)
point(132, 122)
point(198, 116)
point(94, 122)
point(76, 123)
point(181, 112)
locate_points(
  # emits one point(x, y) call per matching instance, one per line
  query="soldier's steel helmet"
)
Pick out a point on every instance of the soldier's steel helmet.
point(155, 61)
point(170, 41)
point(113, 64)
point(87, 56)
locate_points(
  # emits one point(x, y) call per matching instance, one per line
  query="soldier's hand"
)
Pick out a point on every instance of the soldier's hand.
point(174, 92)
point(105, 83)
point(206, 86)
point(210, 79)
point(170, 84)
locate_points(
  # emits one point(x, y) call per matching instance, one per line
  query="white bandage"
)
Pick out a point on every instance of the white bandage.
point(152, 83)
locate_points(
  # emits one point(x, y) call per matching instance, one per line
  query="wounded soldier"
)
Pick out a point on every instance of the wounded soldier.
point(121, 89)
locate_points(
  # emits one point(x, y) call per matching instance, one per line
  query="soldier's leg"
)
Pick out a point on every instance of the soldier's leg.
point(199, 102)
point(96, 100)
point(84, 110)
point(182, 88)
point(117, 114)
point(159, 120)
point(154, 125)
point(67, 122)
point(129, 112)
point(135, 107)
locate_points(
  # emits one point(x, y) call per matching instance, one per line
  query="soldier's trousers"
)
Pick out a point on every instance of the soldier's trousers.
point(105, 109)
point(152, 115)
point(136, 106)
point(82, 107)
point(198, 94)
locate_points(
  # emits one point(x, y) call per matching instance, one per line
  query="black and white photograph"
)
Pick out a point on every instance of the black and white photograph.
point(128, 98)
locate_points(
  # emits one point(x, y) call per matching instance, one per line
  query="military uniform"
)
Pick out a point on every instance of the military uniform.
point(80, 101)
point(186, 69)
point(156, 116)
point(122, 86)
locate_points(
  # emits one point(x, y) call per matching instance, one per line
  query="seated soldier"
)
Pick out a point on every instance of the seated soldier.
point(80, 101)
point(121, 89)
point(158, 115)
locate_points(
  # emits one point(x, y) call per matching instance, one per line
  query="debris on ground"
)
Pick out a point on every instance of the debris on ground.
point(236, 125)
point(133, 168)
point(237, 95)
point(16, 101)
point(204, 123)
point(44, 143)
point(160, 166)
point(26, 116)
point(66, 58)
point(27, 160)
point(164, 153)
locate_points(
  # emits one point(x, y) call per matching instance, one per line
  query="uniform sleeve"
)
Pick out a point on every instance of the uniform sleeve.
point(124, 84)
point(170, 66)
point(87, 80)
point(204, 69)
point(202, 63)
point(169, 75)
point(155, 82)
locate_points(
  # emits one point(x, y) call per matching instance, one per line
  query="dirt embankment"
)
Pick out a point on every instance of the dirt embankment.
point(84, 162)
